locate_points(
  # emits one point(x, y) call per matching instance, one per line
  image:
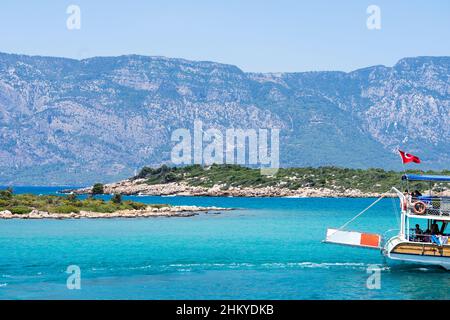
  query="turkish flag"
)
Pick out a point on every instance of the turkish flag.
point(407, 157)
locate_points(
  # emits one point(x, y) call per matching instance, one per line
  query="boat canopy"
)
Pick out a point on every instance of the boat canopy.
point(417, 177)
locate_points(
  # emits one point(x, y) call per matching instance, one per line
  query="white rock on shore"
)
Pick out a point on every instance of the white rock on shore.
point(175, 211)
point(6, 214)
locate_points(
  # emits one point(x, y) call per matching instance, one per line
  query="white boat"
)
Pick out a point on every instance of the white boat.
point(422, 237)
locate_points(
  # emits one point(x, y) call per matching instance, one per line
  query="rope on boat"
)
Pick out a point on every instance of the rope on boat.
point(359, 214)
point(396, 212)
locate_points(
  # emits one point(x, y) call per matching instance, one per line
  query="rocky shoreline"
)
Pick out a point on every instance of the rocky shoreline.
point(139, 187)
point(149, 212)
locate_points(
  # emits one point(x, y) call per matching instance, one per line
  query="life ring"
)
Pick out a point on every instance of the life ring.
point(419, 208)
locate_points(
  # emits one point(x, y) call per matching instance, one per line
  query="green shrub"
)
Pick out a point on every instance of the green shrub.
point(169, 177)
point(117, 199)
point(20, 210)
point(5, 194)
point(78, 204)
point(136, 205)
point(105, 208)
point(72, 197)
point(145, 171)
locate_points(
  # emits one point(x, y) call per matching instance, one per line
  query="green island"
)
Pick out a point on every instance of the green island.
point(30, 206)
point(336, 178)
point(25, 203)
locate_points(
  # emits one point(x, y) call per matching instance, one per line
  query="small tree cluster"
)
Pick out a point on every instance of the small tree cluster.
point(98, 188)
point(117, 198)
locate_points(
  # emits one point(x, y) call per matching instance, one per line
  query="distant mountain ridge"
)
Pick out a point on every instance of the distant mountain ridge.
point(65, 121)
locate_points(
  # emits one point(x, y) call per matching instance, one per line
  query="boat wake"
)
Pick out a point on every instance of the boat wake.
point(193, 267)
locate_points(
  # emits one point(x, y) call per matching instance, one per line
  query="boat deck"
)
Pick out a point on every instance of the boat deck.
point(422, 249)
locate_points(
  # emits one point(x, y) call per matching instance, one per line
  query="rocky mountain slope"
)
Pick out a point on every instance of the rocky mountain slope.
point(65, 121)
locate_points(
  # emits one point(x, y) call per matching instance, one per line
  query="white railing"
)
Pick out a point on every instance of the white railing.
point(424, 237)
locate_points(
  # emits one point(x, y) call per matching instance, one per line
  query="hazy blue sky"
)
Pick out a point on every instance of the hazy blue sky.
point(280, 35)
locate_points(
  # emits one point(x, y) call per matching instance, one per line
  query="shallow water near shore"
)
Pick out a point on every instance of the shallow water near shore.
point(267, 249)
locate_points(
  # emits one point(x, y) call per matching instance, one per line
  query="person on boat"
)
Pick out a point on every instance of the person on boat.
point(419, 233)
point(408, 196)
point(426, 236)
point(416, 194)
point(435, 229)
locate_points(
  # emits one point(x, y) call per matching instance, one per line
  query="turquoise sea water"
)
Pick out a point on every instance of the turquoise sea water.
point(267, 249)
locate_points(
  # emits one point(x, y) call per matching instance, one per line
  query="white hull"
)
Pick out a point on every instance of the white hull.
point(442, 261)
point(421, 260)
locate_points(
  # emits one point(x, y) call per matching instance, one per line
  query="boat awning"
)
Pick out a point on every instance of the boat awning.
point(417, 177)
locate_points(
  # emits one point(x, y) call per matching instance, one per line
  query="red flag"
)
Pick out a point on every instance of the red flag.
point(407, 157)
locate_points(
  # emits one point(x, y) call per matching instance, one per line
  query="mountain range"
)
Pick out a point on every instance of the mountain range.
point(75, 122)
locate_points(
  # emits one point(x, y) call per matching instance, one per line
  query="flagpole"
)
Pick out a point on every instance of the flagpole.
point(404, 170)
point(406, 158)
point(407, 180)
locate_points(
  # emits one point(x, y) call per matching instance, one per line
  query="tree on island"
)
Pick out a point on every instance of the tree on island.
point(72, 197)
point(97, 189)
point(6, 194)
point(117, 198)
